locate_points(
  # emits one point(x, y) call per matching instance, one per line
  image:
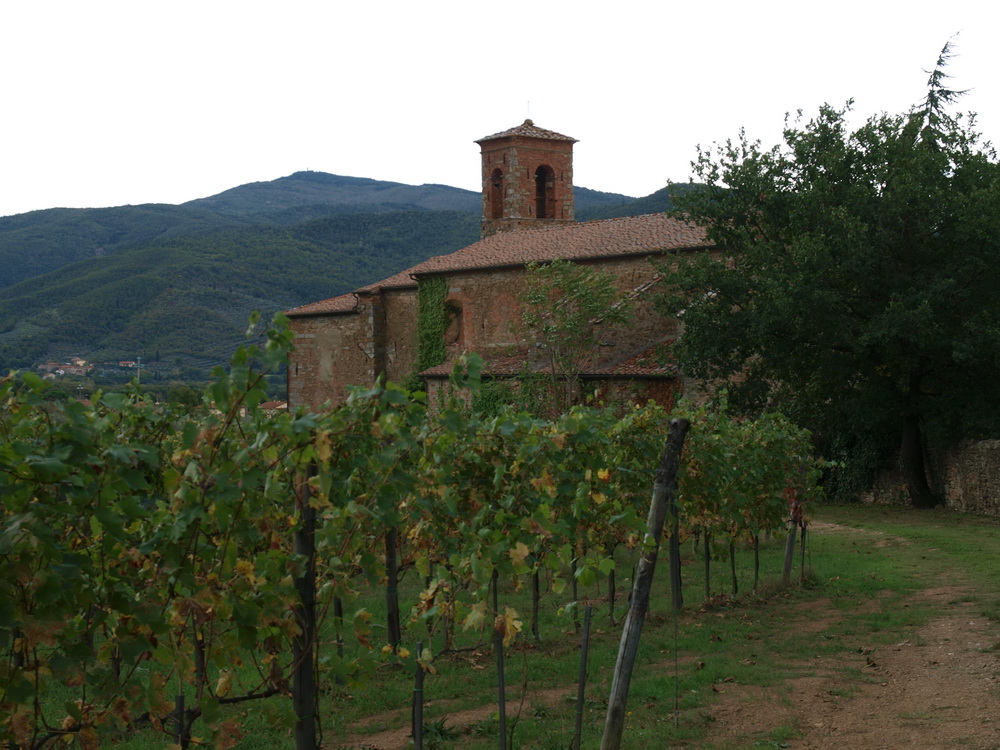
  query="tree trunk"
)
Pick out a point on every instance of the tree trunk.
point(498, 648)
point(756, 561)
point(786, 570)
point(911, 463)
point(802, 556)
point(708, 565)
point(536, 595)
point(732, 566)
point(576, 598)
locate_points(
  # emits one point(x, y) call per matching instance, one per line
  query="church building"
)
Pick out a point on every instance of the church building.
point(528, 216)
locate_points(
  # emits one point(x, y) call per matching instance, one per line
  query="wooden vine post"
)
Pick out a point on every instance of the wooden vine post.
point(664, 488)
point(392, 588)
point(498, 647)
point(304, 644)
point(676, 593)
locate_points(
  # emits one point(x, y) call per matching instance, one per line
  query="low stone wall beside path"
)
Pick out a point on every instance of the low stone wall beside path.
point(968, 476)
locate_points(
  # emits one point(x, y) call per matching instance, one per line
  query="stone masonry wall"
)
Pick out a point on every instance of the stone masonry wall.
point(491, 313)
point(518, 158)
point(331, 352)
point(967, 476)
point(334, 351)
point(399, 306)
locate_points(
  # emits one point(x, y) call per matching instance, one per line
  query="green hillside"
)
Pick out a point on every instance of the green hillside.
point(41, 241)
point(319, 188)
point(321, 192)
point(176, 284)
point(187, 300)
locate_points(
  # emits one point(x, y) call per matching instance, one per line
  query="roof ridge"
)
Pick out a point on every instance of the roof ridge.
point(598, 239)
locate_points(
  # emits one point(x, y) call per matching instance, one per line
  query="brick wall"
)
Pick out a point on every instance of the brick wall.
point(399, 307)
point(334, 351)
point(491, 313)
point(330, 352)
point(517, 159)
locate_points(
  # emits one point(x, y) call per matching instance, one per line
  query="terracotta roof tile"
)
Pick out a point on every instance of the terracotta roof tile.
point(530, 130)
point(494, 366)
point(345, 303)
point(397, 281)
point(647, 363)
point(589, 240)
point(606, 238)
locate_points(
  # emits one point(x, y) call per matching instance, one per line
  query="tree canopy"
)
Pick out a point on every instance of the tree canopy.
point(567, 310)
point(855, 280)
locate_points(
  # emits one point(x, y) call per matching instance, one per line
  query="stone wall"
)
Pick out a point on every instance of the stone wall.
point(967, 476)
point(337, 350)
point(516, 159)
point(399, 308)
point(491, 313)
point(970, 476)
point(330, 352)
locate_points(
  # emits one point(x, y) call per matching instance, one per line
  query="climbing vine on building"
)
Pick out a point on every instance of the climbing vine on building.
point(432, 322)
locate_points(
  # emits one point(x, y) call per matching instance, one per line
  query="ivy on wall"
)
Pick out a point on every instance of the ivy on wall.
point(432, 322)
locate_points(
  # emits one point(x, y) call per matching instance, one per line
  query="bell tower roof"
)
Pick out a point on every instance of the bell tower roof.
point(527, 179)
point(528, 129)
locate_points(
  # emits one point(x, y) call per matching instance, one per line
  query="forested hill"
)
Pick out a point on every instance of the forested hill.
point(185, 300)
point(39, 241)
point(175, 284)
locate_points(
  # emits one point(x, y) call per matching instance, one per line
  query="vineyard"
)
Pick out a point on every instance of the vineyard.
point(162, 569)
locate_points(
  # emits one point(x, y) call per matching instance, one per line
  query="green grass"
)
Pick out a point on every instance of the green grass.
point(859, 592)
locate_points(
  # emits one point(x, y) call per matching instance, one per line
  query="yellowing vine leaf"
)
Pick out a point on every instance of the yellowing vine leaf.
point(324, 445)
point(507, 625)
point(519, 553)
point(425, 659)
point(224, 683)
point(476, 616)
point(545, 483)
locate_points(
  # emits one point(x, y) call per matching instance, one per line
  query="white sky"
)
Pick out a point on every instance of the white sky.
point(106, 103)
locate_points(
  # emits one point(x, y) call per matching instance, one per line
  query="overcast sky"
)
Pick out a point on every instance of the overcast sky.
point(143, 101)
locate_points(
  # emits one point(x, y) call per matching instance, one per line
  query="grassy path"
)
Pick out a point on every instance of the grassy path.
point(892, 644)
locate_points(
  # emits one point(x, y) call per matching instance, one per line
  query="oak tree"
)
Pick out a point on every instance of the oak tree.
point(855, 279)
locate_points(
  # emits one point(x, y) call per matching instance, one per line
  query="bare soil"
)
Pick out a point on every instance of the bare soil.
point(937, 689)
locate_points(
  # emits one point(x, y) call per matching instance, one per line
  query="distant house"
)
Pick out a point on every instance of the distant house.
point(528, 215)
point(273, 406)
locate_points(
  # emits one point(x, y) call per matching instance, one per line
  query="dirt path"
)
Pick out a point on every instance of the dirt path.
point(934, 690)
point(938, 689)
point(399, 739)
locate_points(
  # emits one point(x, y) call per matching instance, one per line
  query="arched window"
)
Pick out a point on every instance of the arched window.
point(496, 194)
point(454, 335)
point(545, 193)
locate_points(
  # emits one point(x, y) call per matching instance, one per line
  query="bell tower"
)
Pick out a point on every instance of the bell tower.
point(527, 179)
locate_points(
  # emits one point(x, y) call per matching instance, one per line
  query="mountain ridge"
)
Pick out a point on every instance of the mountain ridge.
point(176, 283)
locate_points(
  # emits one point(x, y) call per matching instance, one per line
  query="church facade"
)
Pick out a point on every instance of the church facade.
point(528, 216)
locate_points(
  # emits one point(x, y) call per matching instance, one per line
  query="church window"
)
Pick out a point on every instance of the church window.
point(454, 334)
point(496, 194)
point(545, 192)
